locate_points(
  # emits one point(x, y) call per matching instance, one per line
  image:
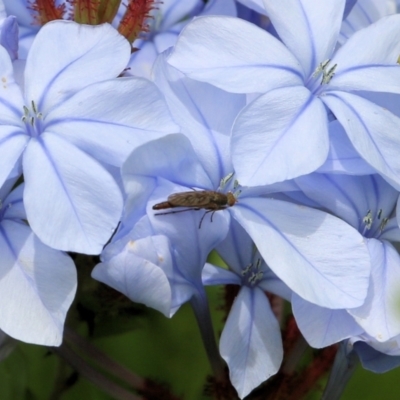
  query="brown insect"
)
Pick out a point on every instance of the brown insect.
point(196, 200)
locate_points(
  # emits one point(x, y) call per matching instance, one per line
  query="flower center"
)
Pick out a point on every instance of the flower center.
point(326, 71)
point(373, 226)
point(253, 273)
point(33, 120)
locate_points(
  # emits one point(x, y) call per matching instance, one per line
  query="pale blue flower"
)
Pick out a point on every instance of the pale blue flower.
point(364, 13)
point(37, 284)
point(284, 132)
point(251, 341)
point(68, 123)
point(288, 236)
point(367, 203)
point(165, 24)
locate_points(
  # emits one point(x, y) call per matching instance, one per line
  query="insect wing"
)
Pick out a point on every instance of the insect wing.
point(190, 199)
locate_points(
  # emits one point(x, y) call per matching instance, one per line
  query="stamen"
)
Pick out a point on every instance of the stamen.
point(327, 76)
point(321, 67)
point(225, 180)
point(247, 269)
point(383, 224)
point(256, 277)
point(368, 219)
point(255, 272)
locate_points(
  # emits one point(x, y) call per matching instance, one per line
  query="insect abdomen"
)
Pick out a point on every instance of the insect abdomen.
point(163, 205)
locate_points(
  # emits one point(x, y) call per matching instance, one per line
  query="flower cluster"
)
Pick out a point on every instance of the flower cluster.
point(265, 130)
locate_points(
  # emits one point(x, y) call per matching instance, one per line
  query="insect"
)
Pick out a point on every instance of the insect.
point(196, 200)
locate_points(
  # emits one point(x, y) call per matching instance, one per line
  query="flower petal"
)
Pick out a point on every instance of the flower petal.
point(321, 258)
point(137, 272)
point(322, 327)
point(251, 341)
point(342, 156)
point(133, 113)
point(362, 14)
point(380, 314)
point(281, 135)
point(373, 67)
point(88, 54)
point(13, 142)
point(71, 201)
point(372, 130)
point(209, 49)
point(193, 106)
point(212, 275)
point(308, 28)
point(37, 286)
point(376, 360)
point(350, 197)
point(13, 204)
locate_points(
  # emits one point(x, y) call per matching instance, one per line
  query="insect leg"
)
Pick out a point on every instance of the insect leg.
point(178, 211)
point(201, 221)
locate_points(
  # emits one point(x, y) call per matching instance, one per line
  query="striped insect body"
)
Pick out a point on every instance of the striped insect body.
point(209, 200)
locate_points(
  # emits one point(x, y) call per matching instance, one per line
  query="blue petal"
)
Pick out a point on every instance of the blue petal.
point(173, 11)
point(20, 10)
point(37, 286)
point(13, 142)
point(139, 271)
point(380, 314)
point(209, 49)
point(308, 28)
point(281, 135)
point(342, 156)
point(9, 36)
point(372, 130)
point(133, 112)
point(217, 7)
point(72, 202)
point(251, 341)
point(237, 248)
point(13, 205)
point(374, 69)
point(374, 360)
point(351, 197)
point(360, 14)
point(212, 275)
point(91, 54)
point(256, 5)
point(192, 242)
point(193, 106)
point(321, 258)
point(391, 231)
point(154, 159)
point(321, 326)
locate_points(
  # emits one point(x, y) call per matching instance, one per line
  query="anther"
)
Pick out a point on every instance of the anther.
point(368, 219)
point(383, 224)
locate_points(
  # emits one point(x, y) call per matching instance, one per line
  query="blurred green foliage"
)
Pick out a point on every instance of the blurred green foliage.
point(167, 350)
